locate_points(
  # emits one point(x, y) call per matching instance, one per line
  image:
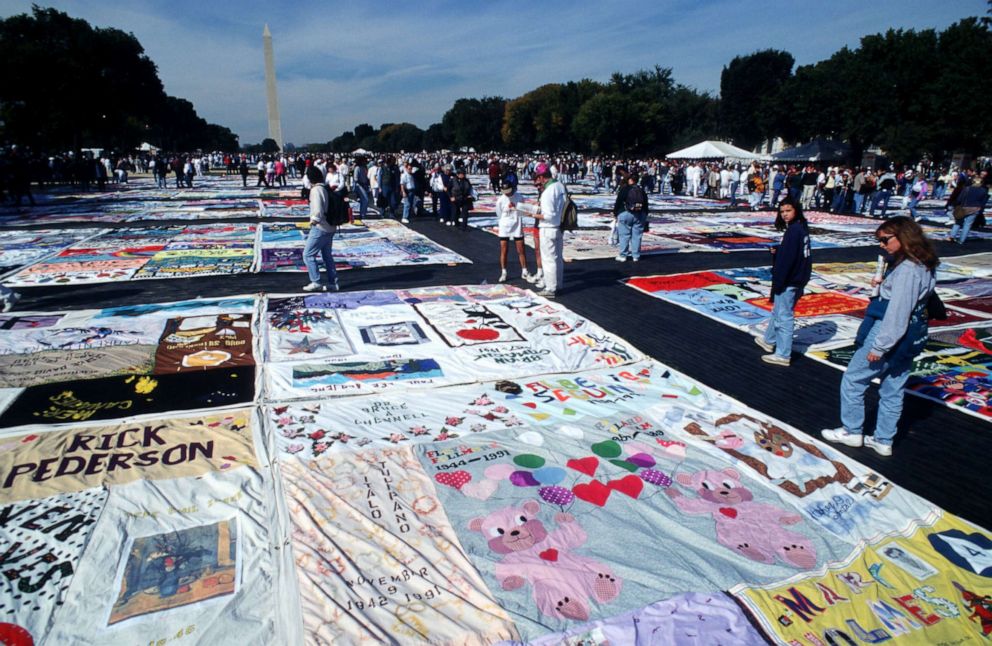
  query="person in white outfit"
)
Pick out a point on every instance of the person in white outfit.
point(510, 227)
point(548, 216)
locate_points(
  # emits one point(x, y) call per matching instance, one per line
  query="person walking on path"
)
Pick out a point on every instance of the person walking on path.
point(632, 219)
point(792, 264)
point(892, 333)
point(967, 206)
point(321, 236)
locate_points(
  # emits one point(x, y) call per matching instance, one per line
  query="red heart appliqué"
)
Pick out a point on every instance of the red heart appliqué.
point(595, 492)
point(628, 485)
point(550, 554)
point(585, 465)
point(729, 512)
point(456, 479)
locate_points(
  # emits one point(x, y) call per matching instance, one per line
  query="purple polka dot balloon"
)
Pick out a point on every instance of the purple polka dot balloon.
point(656, 478)
point(556, 495)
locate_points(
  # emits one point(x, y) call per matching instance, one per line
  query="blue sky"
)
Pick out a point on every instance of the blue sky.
point(339, 64)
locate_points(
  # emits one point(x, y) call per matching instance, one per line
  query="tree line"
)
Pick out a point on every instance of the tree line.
point(68, 85)
point(914, 93)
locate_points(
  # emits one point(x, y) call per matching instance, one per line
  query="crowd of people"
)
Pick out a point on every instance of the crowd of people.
point(891, 334)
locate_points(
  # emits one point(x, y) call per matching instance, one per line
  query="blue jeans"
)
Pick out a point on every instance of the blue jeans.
point(410, 203)
point(859, 373)
point(783, 321)
point(859, 202)
point(319, 246)
point(734, 186)
point(964, 226)
point(880, 198)
point(912, 206)
point(392, 201)
point(363, 201)
point(630, 229)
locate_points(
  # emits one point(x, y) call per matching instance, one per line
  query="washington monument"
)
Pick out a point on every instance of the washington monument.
point(275, 126)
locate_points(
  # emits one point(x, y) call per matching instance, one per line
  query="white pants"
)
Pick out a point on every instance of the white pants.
point(552, 243)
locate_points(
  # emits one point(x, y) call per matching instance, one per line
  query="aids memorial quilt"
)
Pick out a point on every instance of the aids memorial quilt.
point(159, 529)
point(155, 252)
point(545, 483)
point(346, 343)
point(954, 368)
point(118, 362)
point(377, 243)
point(20, 248)
point(523, 509)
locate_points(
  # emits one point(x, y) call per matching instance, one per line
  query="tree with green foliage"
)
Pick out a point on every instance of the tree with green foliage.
point(67, 84)
point(475, 123)
point(401, 136)
point(749, 85)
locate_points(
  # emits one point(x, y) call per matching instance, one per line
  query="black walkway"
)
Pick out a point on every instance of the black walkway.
point(939, 453)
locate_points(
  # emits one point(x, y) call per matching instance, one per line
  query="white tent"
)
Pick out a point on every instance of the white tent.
point(359, 151)
point(712, 150)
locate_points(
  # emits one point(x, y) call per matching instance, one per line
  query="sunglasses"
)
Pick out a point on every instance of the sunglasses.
point(884, 240)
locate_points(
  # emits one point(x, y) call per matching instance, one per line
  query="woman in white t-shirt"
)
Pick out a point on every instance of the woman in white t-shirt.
point(510, 227)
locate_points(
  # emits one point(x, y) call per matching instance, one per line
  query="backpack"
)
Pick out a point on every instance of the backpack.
point(635, 199)
point(569, 215)
point(337, 209)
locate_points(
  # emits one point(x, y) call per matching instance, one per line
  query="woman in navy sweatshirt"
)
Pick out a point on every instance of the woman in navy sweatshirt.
point(791, 267)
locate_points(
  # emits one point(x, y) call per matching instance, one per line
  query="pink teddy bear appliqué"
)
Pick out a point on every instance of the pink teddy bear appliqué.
point(563, 582)
point(753, 529)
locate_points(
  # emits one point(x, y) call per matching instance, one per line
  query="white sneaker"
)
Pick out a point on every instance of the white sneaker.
point(776, 360)
point(621, 258)
point(546, 293)
point(841, 436)
point(526, 276)
point(885, 450)
point(539, 275)
point(539, 284)
point(315, 287)
point(502, 276)
point(405, 220)
point(764, 345)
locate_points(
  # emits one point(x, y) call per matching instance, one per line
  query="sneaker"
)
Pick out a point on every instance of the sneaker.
point(502, 276)
point(764, 345)
point(405, 220)
point(634, 259)
point(885, 450)
point(359, 223)
point(545, 293)
point(527, 276)
point(621, 258)
point(315, 287)
point(841, 436)
point(776, 360)
point(539, 284)
point(334, 287)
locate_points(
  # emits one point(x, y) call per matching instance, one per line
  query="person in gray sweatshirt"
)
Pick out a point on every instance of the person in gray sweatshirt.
point(892, 333)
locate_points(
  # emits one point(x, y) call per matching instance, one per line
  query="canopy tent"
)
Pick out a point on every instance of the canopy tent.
point(360, 151)
point(815, 151)
point(712, 150)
